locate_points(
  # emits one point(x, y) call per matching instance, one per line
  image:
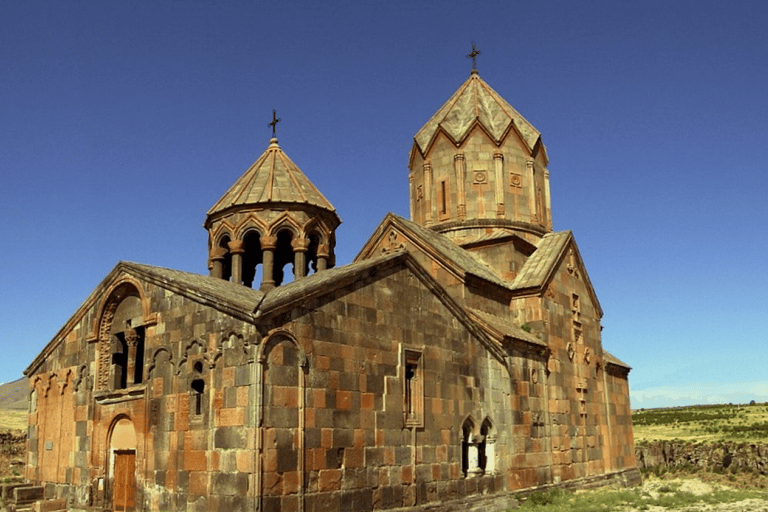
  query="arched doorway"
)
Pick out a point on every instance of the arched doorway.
point(122, 461)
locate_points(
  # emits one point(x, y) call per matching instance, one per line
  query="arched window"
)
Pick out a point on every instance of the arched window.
point(197, 390)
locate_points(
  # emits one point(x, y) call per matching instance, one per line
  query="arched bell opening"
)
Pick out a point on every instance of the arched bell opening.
point(283, 256)
point(253, 258)
point(311, 258)
point(226, 258)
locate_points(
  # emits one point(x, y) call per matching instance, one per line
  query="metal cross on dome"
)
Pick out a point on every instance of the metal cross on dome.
point(274, 122)
point(472, 55)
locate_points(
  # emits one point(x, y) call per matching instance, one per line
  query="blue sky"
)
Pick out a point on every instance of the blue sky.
point(122, 122)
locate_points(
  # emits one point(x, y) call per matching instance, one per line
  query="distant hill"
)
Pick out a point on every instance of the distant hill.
point(14, 394)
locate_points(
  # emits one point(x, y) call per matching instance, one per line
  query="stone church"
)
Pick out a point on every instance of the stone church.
point(457, 360)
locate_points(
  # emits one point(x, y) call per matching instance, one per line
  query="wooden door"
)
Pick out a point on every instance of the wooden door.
point(124, 495)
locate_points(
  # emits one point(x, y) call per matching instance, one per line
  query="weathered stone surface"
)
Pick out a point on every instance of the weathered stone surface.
point(456, 361)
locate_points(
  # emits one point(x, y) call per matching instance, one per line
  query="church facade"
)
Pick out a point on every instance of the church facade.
point(458, 359)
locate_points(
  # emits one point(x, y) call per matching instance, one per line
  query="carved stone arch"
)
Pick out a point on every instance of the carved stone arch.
point(487, 447)
point(235, 349)
point(469, 457)
point(250, 224)
point(282, 369)
point(274, 339)
point(81, 379)
point(284, 222)
point(188, 355)
point(222, 230)
point(285, 231)
point(122, 462)
point(251, 234)
point(119, 291)
point(63, 378)
point(156, 359)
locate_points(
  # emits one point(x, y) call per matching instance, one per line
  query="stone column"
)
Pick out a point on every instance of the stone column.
point(428, 192)
point(323, 253)
point(132, 340)
point(490, 455)
point(473, 460)
point(300, 246)
point(460, 168)
point(498, 162)
point(268, 244)
point(236, 248)
point(548, 201)
point(530, 178)
point(413, 197)
point(217, 258)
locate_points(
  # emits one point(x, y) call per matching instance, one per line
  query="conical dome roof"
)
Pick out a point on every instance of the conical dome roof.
point(272, 179)
point(474, 101)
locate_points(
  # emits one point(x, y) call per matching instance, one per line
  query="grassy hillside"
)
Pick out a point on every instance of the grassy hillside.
point(703, 423)
point(13, 404)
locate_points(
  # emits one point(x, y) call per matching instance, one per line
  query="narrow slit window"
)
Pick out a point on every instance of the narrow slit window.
point(413, 406)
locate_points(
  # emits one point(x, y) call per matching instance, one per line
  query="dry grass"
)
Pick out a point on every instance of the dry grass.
point(738, 423)
point(13, 419)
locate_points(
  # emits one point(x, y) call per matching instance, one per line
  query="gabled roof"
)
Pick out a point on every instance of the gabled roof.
point(539, 266)
point(273, 178)
point(612, 359)
point(543, 263)
point(230, 298)
point(474, 101)
point(502, 328)
point(218, 293)
point(433, 243)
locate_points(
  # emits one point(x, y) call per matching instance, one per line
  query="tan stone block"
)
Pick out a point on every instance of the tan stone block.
point(244, 461)
point(228, 377)
point(242, 396)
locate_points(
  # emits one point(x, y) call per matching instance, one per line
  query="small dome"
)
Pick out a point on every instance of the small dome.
point(272, 179)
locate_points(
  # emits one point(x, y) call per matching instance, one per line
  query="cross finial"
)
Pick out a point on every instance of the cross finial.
point(274, 122)
point(474, 53)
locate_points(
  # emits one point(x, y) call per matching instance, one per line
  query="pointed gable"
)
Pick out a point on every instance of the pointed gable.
point(437, 246)
point(273, 178)
point(476, 101)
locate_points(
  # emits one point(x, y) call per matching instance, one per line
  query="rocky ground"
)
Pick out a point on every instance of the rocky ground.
point(12, 453)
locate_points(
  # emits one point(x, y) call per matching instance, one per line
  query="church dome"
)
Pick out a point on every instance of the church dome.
point(474, 101)
point(271, 217)
point(273, 178)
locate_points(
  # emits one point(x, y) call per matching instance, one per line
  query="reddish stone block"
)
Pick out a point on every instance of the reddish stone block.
point(329, 480)
point(195, 460)
point(343, 400)
point(198, 483)
point(367, 401)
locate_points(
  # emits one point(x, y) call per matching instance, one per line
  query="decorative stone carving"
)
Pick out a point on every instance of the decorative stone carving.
point(392, 244)
point(571, 350)
point(480, 177)
point(515, 180)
